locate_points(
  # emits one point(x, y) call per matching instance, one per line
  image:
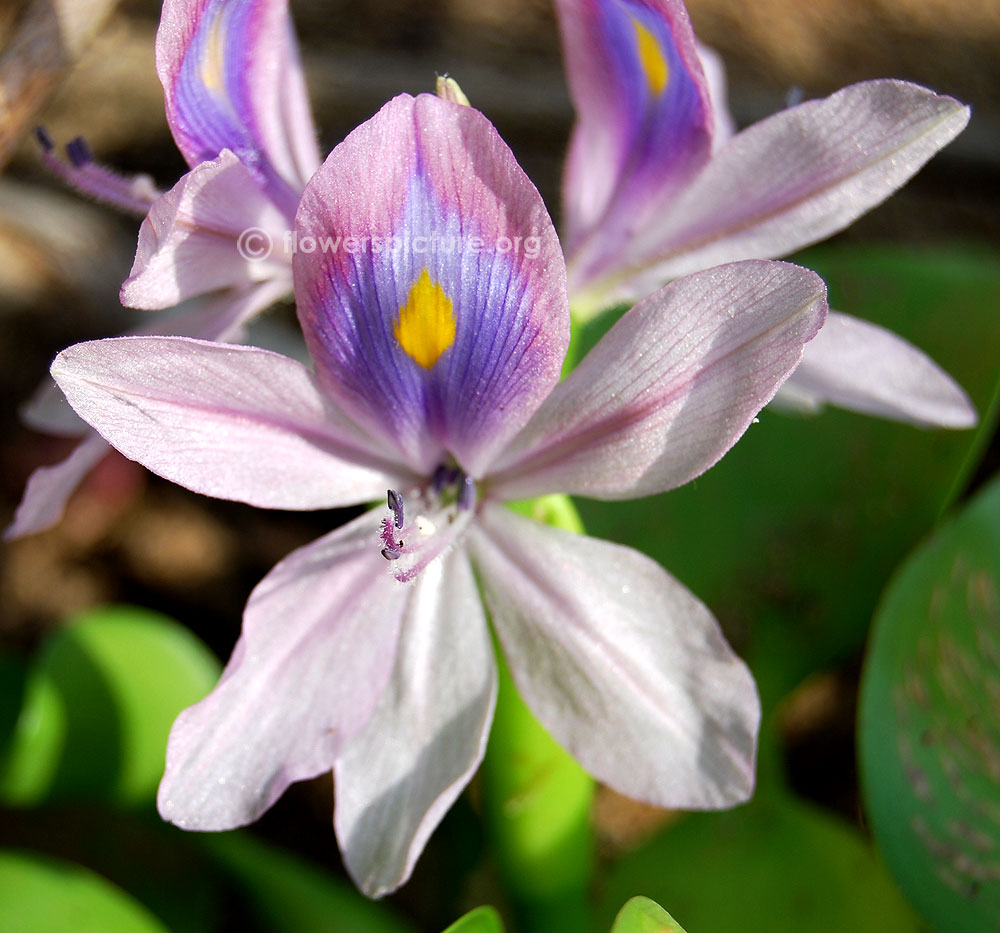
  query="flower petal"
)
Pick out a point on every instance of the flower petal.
point(856, 365)
point(398, 777)
point(227, 421)
point(430, 283)
point(788, 181)
point(232, 80)
point(623, 666)
point(190, 242)
point(50, 487)
point(644, 121)
point(724, 126)
point(670, 388)
point(319, 638)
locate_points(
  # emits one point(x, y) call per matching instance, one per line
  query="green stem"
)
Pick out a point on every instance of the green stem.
point(537, 800)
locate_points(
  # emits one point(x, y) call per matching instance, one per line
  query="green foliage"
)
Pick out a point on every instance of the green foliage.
point(774, 866)
point(641, 915)
point(43, 895)
point(481, 920)
point(288, 894)
point(930, 723)
point(99, 701)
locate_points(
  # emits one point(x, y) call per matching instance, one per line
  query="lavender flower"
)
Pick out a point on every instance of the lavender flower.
point(237, 108)
point(657, 186)
point(433, 299)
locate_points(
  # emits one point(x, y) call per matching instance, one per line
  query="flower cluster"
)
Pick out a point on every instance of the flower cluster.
point(436, 389)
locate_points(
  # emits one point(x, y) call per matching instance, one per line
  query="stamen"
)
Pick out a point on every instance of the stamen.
point(466, 492)
point(132, 194)
point(79, 152)
point(44, 139)
point(393, 549)
point(443, 476)
point(396, 504)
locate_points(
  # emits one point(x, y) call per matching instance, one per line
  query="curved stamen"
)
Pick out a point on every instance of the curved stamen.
point(393, 549)
point(396, 504)
point(466, 492)
point(443, 476)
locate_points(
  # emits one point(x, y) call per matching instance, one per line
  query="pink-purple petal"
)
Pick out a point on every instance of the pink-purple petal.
point(670, 388)
point(228, 421)
point(396, 779)
point(318, 643)
point(644, 121)
point(785, 182)
point(190, 242)
point(49, 488)
point(856, 365)
point(428, 188)
point(624, 667)
point(232, 80)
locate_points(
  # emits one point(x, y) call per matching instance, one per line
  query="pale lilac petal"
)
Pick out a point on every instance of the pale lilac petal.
point(318, 643)
point(50, 487)
point(190, 242)
point(425, 198)
point(398, 777)
point(644, 121)
point(233, 422)
point(232, 80)
point(785, 182)
point(624, 667)
point(220, 316)
point(857, 365)
point(724, 126)
point(670, 388)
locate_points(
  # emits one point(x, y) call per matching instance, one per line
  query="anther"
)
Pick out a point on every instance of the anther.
point(78, 152)
point(396, 504)
point(44, 139)
point(466, 492)
point(443, 476)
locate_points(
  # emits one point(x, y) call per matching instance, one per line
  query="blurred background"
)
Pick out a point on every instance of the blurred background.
point(791, 540)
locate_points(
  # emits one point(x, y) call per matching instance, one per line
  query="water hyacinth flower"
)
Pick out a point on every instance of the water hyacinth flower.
point(657, 185)
point(434, 304)
point(237, 108)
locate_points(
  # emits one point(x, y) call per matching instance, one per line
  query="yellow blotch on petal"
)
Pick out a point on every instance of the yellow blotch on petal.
point(651, 57)
point(426, 324)
point(213, 59)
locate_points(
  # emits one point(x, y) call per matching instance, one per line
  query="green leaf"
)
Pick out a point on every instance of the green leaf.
point(641, 915)
point(481, 920)
point(774, 866)
point(930, 723)
point(291, 896)
point(43, 895)
point(100, 699)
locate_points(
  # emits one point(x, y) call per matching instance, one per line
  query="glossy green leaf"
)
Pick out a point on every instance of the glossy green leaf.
point(641, 915)
point(774, 866)
point(43, 895)
point(291, 896)
point(792, 535)
point(481, 920)
point(100, 699)
point(930, 723)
